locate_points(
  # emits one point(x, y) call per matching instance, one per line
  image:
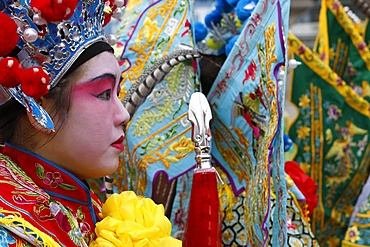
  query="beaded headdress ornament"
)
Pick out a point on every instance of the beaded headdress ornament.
point(41, 39)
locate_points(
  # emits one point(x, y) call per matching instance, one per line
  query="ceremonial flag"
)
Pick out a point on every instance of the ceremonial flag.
point(331, 132)
point(158, 146)
point(367, 33)
point(247, 103)
point(341, 45)
point(357, 233)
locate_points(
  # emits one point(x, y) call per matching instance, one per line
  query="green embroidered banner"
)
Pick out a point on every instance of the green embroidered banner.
point(358, 233)
point(331, 134)
point(341, 45)
point(366, 33)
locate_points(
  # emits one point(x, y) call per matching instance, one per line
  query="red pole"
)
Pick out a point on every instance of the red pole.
point(203, 227)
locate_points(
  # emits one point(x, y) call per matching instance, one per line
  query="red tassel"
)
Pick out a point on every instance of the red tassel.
point(203, 226)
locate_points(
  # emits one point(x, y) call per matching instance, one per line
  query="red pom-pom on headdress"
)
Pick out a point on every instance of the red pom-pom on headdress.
point(8, 34)
point(10, 71)
point(54, 10)
point(35, 82)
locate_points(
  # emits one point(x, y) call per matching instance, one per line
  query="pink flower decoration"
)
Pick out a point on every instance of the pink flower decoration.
point(322, 56)
point(361, 46)
point(222, 86)
point(339, 82)
point(256, 19)
point(290, 224)
point(53, 179)
point(336, 5)
point(301, 50)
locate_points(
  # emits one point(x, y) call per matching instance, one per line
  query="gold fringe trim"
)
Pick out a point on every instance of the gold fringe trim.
point(323, 70)
point(15, 221)
point(322, 39)
point(349, 244)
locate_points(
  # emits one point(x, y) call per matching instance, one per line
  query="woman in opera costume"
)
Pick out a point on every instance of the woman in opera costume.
point(61, 123)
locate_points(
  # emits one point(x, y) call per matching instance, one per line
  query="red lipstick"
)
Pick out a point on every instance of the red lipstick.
point(118, 144)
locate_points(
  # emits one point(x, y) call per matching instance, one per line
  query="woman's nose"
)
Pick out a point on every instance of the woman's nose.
point(122, 114)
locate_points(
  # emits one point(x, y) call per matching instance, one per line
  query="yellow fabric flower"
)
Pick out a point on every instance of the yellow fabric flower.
point(304, 101)
point(303, 132)
point(352, 234)
point(132, 221)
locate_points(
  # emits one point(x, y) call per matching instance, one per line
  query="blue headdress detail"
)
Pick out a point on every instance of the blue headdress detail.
point(54, 45)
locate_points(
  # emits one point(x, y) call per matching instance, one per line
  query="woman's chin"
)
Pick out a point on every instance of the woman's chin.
point(95, 174)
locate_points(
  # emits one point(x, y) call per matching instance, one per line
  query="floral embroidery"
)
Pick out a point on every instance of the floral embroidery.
point(328, 133)
point(334, 112)
point(304, 101)
point(290, 224)
point(70, 223)
point(358, 234)
point(179, 214)
point(53, 179)
point(303, 132)
point(250, 72)
point(166, 101)
point(149, 30)
point(255, 110)
point(361, 45)
point(301, 50)
point(336, 5)
point(353, 234)
point(25, 197)
point(361, 145)
point(183, 145)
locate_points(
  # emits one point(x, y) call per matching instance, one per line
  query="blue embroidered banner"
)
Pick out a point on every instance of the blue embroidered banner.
point(247, 102)
point(158, 138)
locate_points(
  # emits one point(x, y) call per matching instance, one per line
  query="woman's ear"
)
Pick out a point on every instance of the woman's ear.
point(34, 123)
point(37, 125)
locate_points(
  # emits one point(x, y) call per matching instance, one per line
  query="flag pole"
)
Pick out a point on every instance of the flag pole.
point(203, 226)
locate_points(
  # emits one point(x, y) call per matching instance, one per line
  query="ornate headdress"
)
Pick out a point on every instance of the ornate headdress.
point(41, 40)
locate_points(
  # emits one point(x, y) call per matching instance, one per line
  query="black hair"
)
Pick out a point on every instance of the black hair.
point(13, 114)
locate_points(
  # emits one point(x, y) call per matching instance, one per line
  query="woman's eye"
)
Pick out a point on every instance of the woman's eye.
point(104, 95)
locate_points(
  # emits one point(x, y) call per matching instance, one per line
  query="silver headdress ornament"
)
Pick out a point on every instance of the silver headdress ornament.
point(41, 39)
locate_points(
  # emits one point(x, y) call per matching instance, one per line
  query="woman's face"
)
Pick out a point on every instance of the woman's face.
point(90, 140)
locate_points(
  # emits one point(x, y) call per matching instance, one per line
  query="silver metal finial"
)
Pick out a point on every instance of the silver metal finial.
point(200, 115)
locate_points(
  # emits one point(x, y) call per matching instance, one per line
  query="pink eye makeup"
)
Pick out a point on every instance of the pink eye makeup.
point(102, 86)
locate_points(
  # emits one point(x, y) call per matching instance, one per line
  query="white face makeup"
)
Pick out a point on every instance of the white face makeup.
point(90, 140)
